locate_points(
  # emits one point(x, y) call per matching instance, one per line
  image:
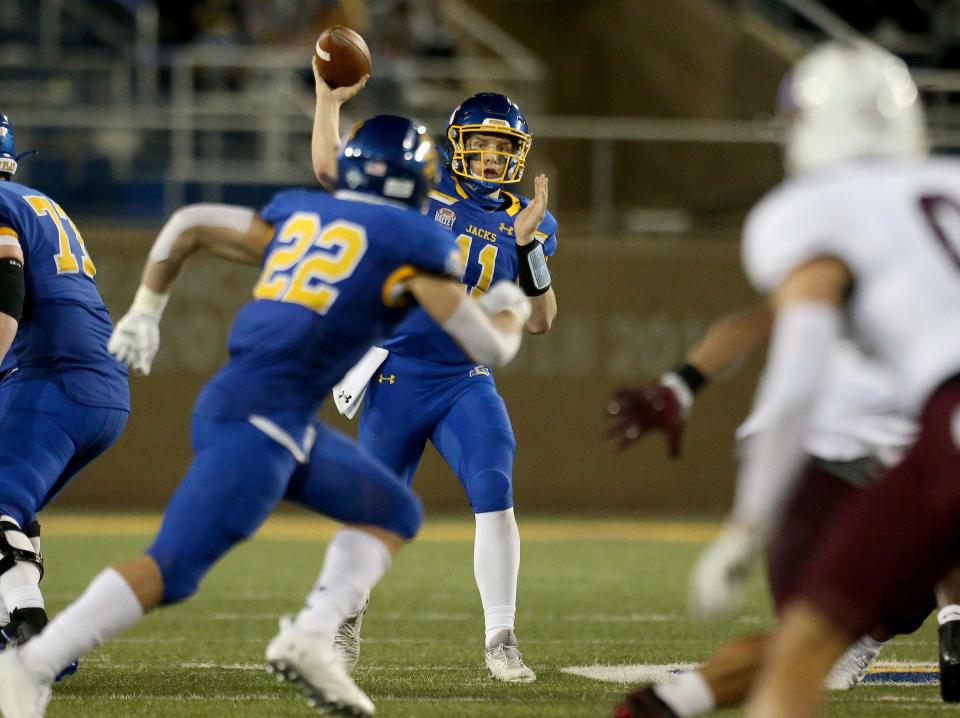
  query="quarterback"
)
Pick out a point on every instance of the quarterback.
point(420, 386)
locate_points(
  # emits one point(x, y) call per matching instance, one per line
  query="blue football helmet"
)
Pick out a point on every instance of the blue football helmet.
point(390, 157)
point(487, 114)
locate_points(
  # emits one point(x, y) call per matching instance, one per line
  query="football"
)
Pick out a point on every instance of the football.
point(344, 56)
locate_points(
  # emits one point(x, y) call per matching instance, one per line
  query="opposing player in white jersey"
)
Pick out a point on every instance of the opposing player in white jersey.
point(855, 432)
point(861, 235)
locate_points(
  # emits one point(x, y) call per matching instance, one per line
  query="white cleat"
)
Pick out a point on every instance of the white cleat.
point(347, 639)
point(309, 662)
point(505, 661)
point(20, 695)
point(851, 668)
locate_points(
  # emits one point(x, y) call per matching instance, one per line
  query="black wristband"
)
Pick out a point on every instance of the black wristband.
point(533, 275)
point(12, 287)
point(692, 377)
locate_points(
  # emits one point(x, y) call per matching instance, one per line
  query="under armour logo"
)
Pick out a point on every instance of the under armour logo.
point(506, 228)
point(344, 396)
point(390, 379)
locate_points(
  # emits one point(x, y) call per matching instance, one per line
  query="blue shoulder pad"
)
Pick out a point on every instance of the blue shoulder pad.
point(9, 217)
point(431, 249)
point(283, 204)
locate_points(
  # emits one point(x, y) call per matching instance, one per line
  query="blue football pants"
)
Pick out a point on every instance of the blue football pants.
point(239, 475)
point(46, 438)
point(462, 414)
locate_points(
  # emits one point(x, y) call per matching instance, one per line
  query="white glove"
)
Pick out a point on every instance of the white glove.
point(505, 296)
point(136, 338)
point(720, 578)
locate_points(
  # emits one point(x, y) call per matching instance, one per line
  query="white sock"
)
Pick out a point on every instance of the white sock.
point(4, 614)
point(688, 695)
point(950, 612)
point(107, 607)
point(496, 564)
point(355, 561)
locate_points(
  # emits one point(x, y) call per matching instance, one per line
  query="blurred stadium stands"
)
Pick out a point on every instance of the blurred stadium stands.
point(139, 106)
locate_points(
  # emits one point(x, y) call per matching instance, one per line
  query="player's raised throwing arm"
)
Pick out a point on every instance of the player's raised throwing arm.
point(325, 140)
point(228, 231)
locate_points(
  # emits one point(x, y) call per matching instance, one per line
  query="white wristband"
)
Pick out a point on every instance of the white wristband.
point(146, 301)
point(675, 383)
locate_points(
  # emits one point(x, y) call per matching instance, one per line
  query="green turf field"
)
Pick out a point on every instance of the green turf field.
point(612, 593)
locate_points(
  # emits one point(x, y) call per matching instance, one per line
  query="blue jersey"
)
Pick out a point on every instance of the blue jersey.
point(331, 286)
point(489, 252)
point(65, 327)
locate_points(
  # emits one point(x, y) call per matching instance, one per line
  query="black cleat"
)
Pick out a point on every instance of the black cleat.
point(25, 623)
point(643, 703)
point(950, 661)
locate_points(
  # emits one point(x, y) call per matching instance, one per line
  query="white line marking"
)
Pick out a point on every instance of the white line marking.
point(631, 673)
point(140, 698)
point(464, 616)
point(654, 673)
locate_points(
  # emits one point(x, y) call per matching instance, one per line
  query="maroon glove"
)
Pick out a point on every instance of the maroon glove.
point(634, 412)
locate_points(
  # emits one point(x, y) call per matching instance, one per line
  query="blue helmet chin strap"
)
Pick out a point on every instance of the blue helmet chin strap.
point(28, 153)
point(480, 193)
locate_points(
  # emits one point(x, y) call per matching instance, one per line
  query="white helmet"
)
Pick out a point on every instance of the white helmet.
point(850, 99)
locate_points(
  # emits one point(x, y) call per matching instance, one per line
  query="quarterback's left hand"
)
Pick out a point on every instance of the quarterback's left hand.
point(532, 215)
point(720, 578)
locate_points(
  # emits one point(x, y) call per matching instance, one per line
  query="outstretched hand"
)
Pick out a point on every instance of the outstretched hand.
point(531, 216)
point(637, 411)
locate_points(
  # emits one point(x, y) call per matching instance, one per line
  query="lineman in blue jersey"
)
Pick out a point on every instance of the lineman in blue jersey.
point(64, 399)
point(337, 274)
point(428, 389)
